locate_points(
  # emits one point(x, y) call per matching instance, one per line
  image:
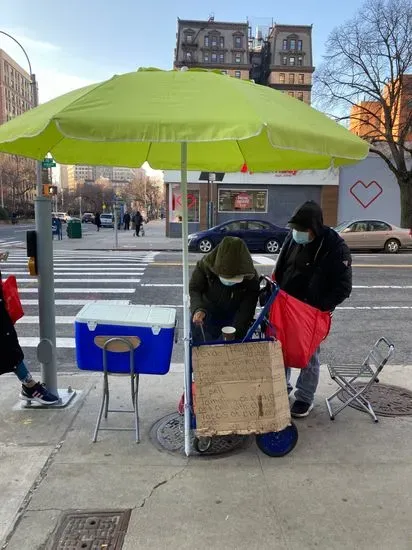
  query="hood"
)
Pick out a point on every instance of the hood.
point(230, 258)
point(308, 216)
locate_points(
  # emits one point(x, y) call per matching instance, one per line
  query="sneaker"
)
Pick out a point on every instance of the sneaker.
point(300, 409)
point(38, 393)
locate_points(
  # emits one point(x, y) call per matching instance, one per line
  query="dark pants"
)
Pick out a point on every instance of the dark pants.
point(138, 226)
point(126, 226)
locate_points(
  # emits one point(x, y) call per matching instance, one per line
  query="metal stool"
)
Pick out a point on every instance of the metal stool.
point(346, 376)
point(118, 344)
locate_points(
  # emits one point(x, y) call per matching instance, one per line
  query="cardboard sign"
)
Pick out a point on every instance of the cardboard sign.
point(240, 388)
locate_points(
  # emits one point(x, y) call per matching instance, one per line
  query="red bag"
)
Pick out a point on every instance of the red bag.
point(299, 327)
point(11, 299)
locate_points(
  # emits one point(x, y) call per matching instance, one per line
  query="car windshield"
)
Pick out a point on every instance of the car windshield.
point(341, 226)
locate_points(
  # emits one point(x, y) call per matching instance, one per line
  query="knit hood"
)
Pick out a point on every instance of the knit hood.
point(230, 259)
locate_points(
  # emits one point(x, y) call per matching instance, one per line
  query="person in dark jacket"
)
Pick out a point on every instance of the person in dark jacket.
point(126, 221)
point(138, 221)
point(314, 266)
point(97, 221)
point(12, 360)
point(224, 290)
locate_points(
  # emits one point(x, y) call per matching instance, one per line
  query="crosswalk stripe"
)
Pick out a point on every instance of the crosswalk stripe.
point(34, 320)
point(84, 280)
point(24, 274)
point(33, 342)
point(263, 260)
point(82, 290)
point(70, 302)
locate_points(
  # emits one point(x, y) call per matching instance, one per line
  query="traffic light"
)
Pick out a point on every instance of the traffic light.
point(49, 190)
point(31, 240)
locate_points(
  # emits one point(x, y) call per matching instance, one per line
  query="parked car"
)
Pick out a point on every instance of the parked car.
point(107, 220)
point(259, 236)
point(63, 216)
point(88, 217)
point(375, 234)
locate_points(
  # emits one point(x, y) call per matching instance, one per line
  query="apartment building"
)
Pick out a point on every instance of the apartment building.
point(291, 61)
point(15, 88)
point(213, 45)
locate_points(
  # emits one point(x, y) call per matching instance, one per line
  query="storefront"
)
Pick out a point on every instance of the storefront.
point(267, 196)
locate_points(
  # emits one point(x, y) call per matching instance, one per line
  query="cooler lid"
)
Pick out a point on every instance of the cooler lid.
point(106, 313)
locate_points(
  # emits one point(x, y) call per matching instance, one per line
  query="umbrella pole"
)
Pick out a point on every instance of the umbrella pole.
point(186, 299)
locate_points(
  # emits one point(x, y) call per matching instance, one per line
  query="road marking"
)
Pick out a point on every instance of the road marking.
point(69, 302)
point(390, 266)
point(383, 287)
point(34, 320)
point(73, 272)
point(373, 307)
point(165, 285)
point(28, 342)
point(87, 280)
point(263, 260)
point(82, 290)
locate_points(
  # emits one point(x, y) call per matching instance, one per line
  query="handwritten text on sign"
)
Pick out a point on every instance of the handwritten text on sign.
point(240, 388)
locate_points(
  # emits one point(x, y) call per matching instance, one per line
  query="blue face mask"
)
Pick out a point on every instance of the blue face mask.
point(226, 282)
point(301, 237)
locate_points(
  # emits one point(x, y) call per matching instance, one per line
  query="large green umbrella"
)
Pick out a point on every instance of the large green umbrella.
point(189, 119)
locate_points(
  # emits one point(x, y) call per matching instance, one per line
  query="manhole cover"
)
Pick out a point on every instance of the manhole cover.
point(386, 400)
point(168, 433)
point(91, 530)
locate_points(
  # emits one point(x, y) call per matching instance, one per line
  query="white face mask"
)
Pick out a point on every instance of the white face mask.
point(301, 237)
point(227, 282)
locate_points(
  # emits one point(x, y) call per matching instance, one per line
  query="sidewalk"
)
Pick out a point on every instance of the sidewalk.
point(154, 239)
point(346, 485)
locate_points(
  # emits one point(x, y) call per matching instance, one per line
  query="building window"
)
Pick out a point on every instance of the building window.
point(300, 45)
point(300, 61)
point(188, 38)
point(238, 74)
point(292, 61)
point(238, 41)
point(221, 58)
point(206, 57)
point(291, 94)
point(285, 45)
point(188, 56)
point(248, 200)
point(299, 95)
point(292, 44)
point(214, 41)
point(284, 60)
point(214, 57)
point(222, 41)
point(281, 78)
point(206, 42)
point(291, 78)
point(224, 72)
point(301, 79)
point(238, 58)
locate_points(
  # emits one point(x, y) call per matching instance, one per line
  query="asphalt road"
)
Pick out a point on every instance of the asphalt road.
point(381, 302)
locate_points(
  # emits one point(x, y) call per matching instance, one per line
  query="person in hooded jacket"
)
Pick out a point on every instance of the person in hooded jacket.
point(12, 360)
point(314, 266)
point(224, 290)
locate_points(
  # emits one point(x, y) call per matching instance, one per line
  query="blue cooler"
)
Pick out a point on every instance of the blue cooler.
point(153, 325)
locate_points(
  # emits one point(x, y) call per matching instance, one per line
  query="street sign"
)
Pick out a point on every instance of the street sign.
point(48, 163)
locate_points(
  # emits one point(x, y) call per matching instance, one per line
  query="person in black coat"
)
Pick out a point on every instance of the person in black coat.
point(138, 221)
point(314, 266)
point(97, 221)
point(12, 360)
point(126, 221)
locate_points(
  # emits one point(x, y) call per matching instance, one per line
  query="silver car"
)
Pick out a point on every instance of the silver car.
point(374, 234)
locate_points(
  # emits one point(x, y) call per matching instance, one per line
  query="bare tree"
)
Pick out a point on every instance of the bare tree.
point(19, 181)
point(366, 70)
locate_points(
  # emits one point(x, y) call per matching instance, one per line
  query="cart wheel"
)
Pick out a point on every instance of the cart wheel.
point(202, 444)
point(278, 443)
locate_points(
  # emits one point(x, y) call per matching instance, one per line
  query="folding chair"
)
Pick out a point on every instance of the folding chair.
point(347, 375)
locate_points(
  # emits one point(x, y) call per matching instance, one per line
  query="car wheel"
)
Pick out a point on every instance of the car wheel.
point(392, 246)
point(272, 246)
point(205, 246)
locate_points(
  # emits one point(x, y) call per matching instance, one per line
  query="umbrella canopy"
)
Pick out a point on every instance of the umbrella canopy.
point(145, 115)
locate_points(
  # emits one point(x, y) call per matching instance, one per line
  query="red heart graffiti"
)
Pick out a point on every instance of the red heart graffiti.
point(358, 188)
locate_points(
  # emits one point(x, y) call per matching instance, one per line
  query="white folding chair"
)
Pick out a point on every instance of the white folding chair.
point(346, 376)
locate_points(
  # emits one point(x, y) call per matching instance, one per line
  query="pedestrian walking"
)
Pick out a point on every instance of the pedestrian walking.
point(97, 221)
point(126, 221)
point(138, 220)
point(314, 266)
point(12, 359)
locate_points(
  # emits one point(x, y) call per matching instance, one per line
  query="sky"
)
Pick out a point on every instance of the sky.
point(72, 43)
